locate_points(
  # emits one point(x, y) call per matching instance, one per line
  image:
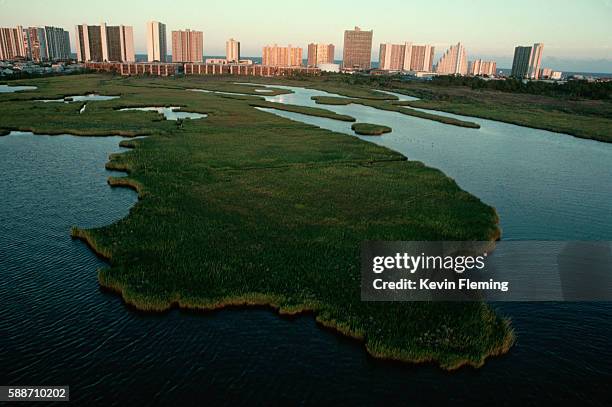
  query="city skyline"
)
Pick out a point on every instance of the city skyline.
point(587, 49)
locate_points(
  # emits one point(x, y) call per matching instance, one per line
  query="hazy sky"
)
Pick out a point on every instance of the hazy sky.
point(575, 33)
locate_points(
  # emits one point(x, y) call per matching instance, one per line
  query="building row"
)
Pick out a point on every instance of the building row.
point(104, 43)
point(34, 43)
point(168, 69)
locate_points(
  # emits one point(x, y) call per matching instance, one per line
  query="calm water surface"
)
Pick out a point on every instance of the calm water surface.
point(80, 98)
point(169, 113)
point(11, 89)
point(57, 327)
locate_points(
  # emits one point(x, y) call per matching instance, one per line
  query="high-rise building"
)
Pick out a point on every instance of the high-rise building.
point(105, 43)
point(58, 43)
point(395, 57)
point(187, 46)
point(273, 55)
point(527, 61)
point(12, 43)
point(421, 58)
point(357, 53)
point(406, 57)
point(478, 67)
point(157, 48)
point(232, 50)
point(454, 61)
point(320, 54)
point(35, 43)
point(536, 61)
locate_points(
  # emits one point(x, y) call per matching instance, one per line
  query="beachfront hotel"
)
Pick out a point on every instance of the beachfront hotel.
point(273, 55)
point(527, 61)
point(104, 43)
point(454, 61)
point(232, 50)
point(157, 48)
point(320, 54)
point(357, 51)
point(187, 46)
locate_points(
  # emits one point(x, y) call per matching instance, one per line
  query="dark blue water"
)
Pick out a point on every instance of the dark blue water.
point(58, 327)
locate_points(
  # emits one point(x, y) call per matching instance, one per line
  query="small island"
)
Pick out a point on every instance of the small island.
point(369, 129)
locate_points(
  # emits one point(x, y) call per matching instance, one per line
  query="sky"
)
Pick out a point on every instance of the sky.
point(577, 35)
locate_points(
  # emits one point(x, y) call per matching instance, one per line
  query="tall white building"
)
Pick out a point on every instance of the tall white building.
point(232, 50)
point(157, 47)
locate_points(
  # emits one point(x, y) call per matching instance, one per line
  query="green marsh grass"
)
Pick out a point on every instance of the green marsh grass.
point(249, 208)
point(369, 129)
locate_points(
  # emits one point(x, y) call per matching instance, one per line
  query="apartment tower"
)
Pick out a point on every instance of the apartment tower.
point(479, 67)
point(454, 61)
point(101, 43)
point(58, 43)
point(406, 57)
point(394, 57)
point(273, 55)
point(527, 61)
point(357, 53)
point(232, 50)
point(187, 46)
point(421, 58)
point(35, 43)
point(12, 43)
point(320, 54)
point(157, 48)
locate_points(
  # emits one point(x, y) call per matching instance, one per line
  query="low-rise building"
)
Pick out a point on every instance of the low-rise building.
point(136, 68)
point(329, 67)
point(222, 61)
point(556, 75)
point(248, 70)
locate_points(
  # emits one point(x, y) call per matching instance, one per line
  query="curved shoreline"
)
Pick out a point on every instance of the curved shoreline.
point(553, 129)
point(272, 301)
point(5, 131)
point(392, 107)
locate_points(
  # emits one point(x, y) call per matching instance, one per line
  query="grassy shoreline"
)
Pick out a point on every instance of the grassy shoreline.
point(292, 199)
point(256, 299)
point(370, 129)
point(393, 107)
point(586, 119)
point(484, 113)
point(582, 118)
point(310, 111)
